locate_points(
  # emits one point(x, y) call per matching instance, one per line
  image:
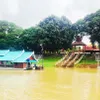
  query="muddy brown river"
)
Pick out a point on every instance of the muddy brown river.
point(50, 84)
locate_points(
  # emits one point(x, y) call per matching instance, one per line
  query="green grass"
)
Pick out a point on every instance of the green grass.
point(49, 61)
point(88, 60)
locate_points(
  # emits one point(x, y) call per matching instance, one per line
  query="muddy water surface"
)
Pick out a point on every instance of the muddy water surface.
point(50, 84)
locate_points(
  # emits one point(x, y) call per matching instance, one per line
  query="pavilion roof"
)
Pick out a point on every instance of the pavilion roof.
point(78, 43)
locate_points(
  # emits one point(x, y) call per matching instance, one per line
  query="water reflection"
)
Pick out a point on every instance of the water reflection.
point(86, 83)
point(50, 84)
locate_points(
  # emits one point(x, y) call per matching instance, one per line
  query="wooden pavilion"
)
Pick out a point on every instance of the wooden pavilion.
point(78, 44)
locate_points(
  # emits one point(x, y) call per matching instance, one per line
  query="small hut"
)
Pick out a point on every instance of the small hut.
point(78, 44)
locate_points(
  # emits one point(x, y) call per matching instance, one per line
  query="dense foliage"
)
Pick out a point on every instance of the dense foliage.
point(57, 33)
point(9, 35)
point(53, 32)
point(90, 25)
point(30, 39)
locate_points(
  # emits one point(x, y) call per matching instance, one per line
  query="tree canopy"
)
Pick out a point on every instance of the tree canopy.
point(53, 32)
point(30, 38)
point(57, 33)
point(90, 25)
point(9, 34)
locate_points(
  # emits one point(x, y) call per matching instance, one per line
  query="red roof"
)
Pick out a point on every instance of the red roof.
point(78, 43)
point(90, 48)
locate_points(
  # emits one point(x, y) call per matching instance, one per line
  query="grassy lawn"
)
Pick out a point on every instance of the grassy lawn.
point(49, 61)
point(88, 60)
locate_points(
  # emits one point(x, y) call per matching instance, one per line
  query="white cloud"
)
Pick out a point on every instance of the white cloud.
point(58, 7)
point(12, 7)
point(80, 8)
point(27, 13)
point(86, 40)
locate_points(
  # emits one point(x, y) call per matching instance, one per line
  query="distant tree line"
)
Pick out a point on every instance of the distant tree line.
point(9, 35)
point(53, 32)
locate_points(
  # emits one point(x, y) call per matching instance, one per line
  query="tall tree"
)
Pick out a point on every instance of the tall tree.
point(9, 27)
point(90, 25)
point(30, 38)
point(3, 44)
point(57, 33)
point(9, 35)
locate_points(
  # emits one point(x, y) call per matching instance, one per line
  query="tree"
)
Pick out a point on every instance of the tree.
point(8, 27)
point(9, 35)
point(3, 44)
point(79, 28)
point(57, 33)
point(30, 38)
point(90, 25)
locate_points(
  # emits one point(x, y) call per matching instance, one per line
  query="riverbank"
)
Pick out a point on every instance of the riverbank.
point(87, 62)
point(10, 68)
point(49, 61)
point(86, 66)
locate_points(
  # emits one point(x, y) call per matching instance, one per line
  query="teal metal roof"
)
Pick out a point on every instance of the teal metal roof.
point(16, 56)
point(3, 52)
point(10, 56)
point(24, 57)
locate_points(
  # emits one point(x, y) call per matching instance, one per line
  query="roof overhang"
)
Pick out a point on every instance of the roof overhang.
point(78, 44)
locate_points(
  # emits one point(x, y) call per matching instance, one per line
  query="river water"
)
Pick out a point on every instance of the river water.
point(50, 84)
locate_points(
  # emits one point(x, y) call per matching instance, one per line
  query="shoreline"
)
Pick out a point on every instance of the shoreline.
point(86, 66)
point(10, 68)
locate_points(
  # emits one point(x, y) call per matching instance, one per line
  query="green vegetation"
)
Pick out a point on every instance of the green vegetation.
point(58, 33)
point(9, 35)
point(53, 32)
point(49, 61)
point(88, 61)
point(90, 25)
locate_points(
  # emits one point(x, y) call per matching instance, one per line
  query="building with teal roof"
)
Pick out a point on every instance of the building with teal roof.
point(17, 59)
point(3, 52)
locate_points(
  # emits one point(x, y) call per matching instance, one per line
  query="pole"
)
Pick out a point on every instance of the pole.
point(99, 60)
point(42, 53)
point(42, 59)
point(99, 57)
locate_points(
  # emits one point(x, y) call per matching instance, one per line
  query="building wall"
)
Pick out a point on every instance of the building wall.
point(6, 64)
point(79, 47)
point(16, 65)
point(20, 65)
point(24, 65)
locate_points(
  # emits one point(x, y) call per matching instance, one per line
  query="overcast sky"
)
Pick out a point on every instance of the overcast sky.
point(27, 13)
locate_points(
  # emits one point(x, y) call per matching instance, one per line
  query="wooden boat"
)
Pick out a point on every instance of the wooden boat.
point(35, 67)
